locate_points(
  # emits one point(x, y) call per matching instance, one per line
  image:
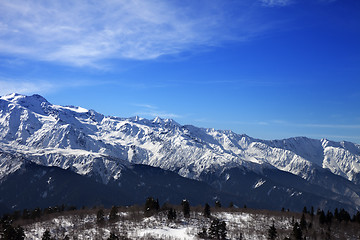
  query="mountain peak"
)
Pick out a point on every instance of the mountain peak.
point(35, 103)
point(18, 98)
point(12, 97)
point(158, 120)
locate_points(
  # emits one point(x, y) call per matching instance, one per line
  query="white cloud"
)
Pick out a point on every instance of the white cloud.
point(273, 3)
point(160, 114)
point(89, 33)
point(8, 86)
point(149, 110)
point(335, 126)
point(146, 106)
point(86, 32)
point(337, 137)
point(316, 125)
point(25, 87)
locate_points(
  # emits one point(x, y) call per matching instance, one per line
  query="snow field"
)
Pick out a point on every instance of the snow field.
point(30, 125)
point(134, 226)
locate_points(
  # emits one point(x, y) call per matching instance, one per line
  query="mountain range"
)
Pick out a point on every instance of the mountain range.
point(52, 154)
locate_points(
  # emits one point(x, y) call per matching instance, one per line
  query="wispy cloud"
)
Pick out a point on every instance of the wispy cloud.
point(204, 120)
point(336, 126)
point(274, 3)
point(32, 86)
point(160, 114)
point(286, 123)
point(336, 137)
point(296, 124)
point(315, 125)
point(149, 110)
point(25, 87)
point(147, 106)
point(327, 1)
point(84, 33)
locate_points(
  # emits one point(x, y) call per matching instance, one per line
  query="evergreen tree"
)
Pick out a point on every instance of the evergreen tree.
point(186, 208)
point(16, 215)
point(296, 232)
point(151, 206)
point(213, 229)
point(11, 233)
point(217, 204)
point(100, 216)
point(272, 233)
point(344, 215)
point(305, 210)
point(46, 235)
point(20, 234)
point(113, 215)
point(36, 213)
point(26, 214)
point(157, 205)
point(322, 218)
point(217, 229)
point(62, 208)
point(207, 210)
point(71, 208)
point(336, 214)
point(312, 211)
point(318, 211)
point(203, 234)
point(329, 217)
point(171, 214)
point(113, 237)
point(222, 230)
point(303, 223)
point(356, 217)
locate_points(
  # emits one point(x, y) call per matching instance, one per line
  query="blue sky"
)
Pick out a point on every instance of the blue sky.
point(271, 69)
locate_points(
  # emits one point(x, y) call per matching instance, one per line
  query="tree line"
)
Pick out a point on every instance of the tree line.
point(217, 229)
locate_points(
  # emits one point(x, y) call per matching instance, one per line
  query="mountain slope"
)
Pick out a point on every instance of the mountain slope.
point(35, 185)
point(101, 147)
point(31, 124)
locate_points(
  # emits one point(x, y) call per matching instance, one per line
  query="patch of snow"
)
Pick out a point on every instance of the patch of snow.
point(227, 177)
point(259, 183)
point(83, 226)
point(71, 108)
point(167, 232)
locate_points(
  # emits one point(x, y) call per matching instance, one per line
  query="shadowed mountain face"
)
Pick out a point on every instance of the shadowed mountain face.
point(122, 154)
point(40, 186)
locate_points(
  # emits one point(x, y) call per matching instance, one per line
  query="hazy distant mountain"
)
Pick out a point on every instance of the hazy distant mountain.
point(282, 173)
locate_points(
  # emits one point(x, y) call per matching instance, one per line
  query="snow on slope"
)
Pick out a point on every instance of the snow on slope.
point(250, 225)
point(90, 143)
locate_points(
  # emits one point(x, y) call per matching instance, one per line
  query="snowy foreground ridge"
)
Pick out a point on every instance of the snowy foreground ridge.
point(239, 224)
point(90, 143)
point(249, 225)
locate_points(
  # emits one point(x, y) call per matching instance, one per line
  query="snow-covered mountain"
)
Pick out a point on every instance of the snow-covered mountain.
point(91, 144)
